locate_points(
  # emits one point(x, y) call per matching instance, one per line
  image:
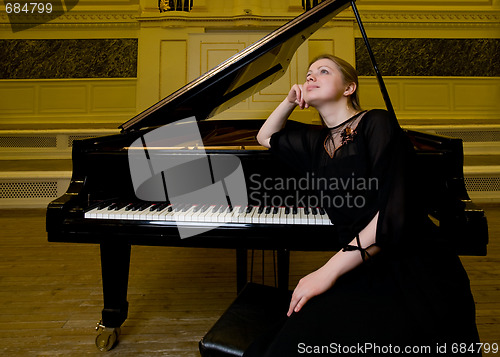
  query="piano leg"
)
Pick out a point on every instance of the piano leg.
point(115, 263)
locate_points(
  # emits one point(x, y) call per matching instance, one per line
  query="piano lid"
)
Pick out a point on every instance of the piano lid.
point(242, 75)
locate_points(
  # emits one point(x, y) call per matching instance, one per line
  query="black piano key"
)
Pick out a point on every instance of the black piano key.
point(306, 210)
point(249, 209)
point(287, 210)
point(204, 208)
point(135, 206)
point(102, 205)
point(111, 206)
point(321, 211)
point(314, 210)
point(143, 206)
point(260, 210)
point(162, 206)
point(275, 210)
point(216, 208)
point(294, 210)
point(121, 205)
point(268, 209)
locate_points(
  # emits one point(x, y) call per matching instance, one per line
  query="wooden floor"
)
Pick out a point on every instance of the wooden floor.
point(50, 294)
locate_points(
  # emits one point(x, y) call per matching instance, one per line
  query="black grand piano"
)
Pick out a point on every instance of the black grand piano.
point(102, 206)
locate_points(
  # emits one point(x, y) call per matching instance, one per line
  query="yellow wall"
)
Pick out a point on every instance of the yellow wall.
point(176, 47)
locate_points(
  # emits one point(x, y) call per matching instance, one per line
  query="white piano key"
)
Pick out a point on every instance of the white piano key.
point(267, 217)
point(282, 216)
point(155, 215)
point(141, 212)
point(311, 219)
point(185, 215)
point(261, 215)
point(224, 214)
point(91, 213)
point(167, 214)
point(194, 217)
point(301, 217)
point(289, 215)
point(211, 216)
point(247, 216)
point(235, 214)
point(205, 211)
point(324, 219)
point(117, 214)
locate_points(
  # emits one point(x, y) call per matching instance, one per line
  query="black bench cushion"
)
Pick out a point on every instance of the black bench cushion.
point(255, 309)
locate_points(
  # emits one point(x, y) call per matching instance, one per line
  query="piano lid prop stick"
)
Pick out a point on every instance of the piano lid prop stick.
point(381, 83)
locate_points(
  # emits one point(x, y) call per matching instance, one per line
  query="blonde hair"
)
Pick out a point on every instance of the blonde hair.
point(349, 75)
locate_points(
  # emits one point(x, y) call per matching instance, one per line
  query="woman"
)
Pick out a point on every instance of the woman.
point(393, 288)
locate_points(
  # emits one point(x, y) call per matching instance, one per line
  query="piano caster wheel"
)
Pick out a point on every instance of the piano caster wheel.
point(107, 337)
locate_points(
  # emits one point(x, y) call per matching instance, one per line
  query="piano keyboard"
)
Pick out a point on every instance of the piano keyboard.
point(208, 214)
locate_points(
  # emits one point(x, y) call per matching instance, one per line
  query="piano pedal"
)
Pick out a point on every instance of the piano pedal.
point(107, 337)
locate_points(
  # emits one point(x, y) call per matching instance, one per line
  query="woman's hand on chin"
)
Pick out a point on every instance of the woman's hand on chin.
point(296, 95)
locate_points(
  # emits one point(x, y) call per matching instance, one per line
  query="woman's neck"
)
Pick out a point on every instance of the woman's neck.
point(336, 113)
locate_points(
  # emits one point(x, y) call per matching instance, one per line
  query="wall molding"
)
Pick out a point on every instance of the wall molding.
point(46, 101)
point(131, 16)
point(101, 16)
point(477, 18)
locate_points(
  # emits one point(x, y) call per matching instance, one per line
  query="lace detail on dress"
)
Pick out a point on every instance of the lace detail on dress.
point(342, 134)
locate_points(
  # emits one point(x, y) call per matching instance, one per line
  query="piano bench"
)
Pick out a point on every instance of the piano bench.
point(254, 310)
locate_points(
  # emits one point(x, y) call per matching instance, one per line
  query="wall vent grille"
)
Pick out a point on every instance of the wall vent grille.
point(479, 136)
point(482, 184)
point(36, 189)
point(28, 141)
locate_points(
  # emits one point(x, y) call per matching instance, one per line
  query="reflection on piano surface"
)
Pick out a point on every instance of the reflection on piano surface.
point(100, 205)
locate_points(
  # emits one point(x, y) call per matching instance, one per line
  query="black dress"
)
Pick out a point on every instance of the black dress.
point(414, 296)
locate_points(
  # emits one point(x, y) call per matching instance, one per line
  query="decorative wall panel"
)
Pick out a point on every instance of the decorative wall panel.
point(430, 57)
point(57, 58)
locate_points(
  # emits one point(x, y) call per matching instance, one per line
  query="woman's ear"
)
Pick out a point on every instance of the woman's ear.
point(350, 89)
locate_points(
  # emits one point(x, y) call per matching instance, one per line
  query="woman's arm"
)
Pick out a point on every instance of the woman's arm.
point(278, 117)
point(323, 279)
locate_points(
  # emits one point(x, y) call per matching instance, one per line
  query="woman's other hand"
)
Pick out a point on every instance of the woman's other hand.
point(311, 285)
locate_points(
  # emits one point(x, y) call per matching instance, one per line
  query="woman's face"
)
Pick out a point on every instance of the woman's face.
point(324, 83)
